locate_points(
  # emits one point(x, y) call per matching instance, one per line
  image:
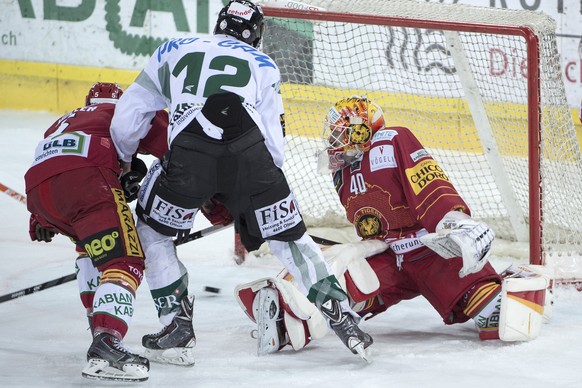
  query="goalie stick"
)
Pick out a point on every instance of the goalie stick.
point(67, 278)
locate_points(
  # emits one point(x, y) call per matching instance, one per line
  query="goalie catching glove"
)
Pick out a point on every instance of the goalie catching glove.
point(457, 235)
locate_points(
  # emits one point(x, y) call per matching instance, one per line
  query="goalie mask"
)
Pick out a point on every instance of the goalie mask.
point(102, 92)
point(348, 130)
point(242, 20)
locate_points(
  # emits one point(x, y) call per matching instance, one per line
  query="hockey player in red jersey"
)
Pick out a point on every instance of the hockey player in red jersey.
point(401, 202)
point(74, 188)
point(393, 190)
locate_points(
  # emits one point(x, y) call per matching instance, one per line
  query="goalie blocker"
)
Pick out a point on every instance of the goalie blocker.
point(284, 316)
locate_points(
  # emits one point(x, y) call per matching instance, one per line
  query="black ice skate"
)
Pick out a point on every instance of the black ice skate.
point(108, 359)
point(346, 328)
point(173, 344)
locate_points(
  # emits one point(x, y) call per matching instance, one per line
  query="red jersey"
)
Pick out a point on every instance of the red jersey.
point(397, 192)
point(81, 138)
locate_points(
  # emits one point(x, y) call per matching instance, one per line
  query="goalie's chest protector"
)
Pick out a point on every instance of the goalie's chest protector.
point(396, 188)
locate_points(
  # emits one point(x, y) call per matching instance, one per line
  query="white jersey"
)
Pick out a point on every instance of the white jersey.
point(182, 73)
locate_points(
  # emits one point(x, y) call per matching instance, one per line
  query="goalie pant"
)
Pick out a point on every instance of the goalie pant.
point(486, 297)
point(517, 306)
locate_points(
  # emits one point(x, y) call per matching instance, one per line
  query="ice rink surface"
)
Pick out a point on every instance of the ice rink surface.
point(44, 336)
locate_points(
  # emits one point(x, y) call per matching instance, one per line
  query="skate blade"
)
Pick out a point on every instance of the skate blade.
point(363, 353)
point(100, 370)
point(357, 347)
point(267, 334)
point(261, 349)
point(173, 356)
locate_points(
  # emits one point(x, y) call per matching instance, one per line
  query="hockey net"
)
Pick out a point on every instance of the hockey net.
point(480, 87)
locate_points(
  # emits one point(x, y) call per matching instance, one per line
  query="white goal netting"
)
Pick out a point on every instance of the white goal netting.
point(480, 87)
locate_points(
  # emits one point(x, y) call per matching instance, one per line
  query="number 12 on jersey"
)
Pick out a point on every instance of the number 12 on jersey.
point(193, 63)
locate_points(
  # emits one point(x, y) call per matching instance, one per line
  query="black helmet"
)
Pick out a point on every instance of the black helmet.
point(243, 20)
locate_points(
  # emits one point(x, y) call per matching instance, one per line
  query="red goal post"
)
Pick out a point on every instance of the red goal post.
point(480, 87)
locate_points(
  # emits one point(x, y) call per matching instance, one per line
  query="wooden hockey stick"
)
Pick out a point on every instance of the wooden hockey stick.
point(67, 278)
point(14, 194)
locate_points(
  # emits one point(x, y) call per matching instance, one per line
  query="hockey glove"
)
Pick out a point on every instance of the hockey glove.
point(457, 235)
point(131, 179)
point(216, 212)
point(38, 232)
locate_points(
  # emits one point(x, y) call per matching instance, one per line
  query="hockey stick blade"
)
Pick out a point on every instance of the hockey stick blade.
point(323, 241)
point(38, 287)
point(73, 276)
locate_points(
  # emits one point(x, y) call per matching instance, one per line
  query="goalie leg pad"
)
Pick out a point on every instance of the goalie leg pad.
point(348, 262)
point(270, 333)
point(354, 273)
point(549, 301)
point(522, 307)
point(245, 295)
point(531, 270)
point(301, 321)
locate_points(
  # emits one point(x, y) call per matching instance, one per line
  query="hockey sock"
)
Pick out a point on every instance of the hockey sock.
point(112, 309)
point(167, 299)
point(87, 280)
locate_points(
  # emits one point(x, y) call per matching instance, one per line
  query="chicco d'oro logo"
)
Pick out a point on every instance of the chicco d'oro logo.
point(424, 173)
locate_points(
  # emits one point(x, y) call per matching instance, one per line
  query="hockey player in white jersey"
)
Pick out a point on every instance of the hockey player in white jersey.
point(226, 137)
